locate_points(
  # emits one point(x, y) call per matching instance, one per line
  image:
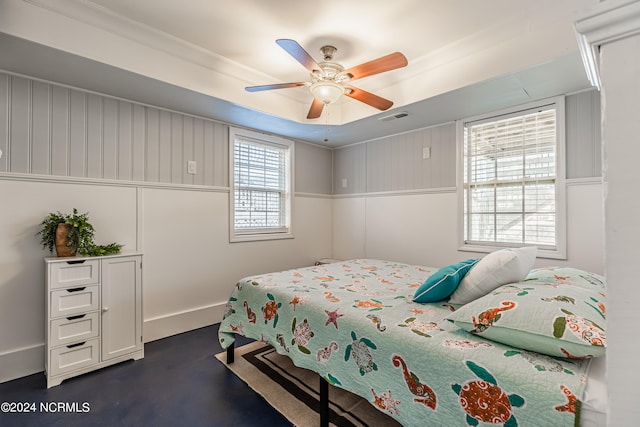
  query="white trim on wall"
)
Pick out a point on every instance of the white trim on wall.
point(27, 361)
point(286, 147)
point(606, 22)
point(108, 182)
point(609, 38)
point(175, 323)
point(397, 192)
point(558, 103)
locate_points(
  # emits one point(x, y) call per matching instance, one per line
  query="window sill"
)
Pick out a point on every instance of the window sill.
point(237, 238)
point(542, 253)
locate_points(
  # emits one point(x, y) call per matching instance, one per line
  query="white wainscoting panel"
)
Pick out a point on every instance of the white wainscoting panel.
point(112, 211)
point(190, 266)
point(423, 228)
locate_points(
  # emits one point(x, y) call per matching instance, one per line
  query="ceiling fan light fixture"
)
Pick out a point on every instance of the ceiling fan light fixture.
point(327, 91)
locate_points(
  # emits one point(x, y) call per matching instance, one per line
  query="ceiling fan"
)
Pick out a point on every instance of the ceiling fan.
point(330, 80)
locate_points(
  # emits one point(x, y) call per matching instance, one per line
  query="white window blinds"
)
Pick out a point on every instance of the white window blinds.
point(260, 187)
point(510, 180)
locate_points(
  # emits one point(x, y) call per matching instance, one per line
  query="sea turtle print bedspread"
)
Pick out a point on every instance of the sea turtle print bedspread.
point(355, 324)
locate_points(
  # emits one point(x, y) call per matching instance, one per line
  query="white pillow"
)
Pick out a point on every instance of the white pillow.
point(495, 269)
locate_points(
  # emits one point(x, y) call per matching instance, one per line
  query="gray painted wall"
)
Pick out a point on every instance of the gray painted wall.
point(47, 129)
point(396, 163)
point(584, 151)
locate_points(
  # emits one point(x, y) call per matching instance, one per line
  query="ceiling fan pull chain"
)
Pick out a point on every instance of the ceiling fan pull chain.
point(326, 126)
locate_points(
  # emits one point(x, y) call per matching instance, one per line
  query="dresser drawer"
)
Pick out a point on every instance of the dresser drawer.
point(74, 273)
point(74, 356)
point(71, 301)
point(68, 330)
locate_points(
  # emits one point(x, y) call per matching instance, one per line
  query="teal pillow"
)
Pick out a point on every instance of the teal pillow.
point(443, 282)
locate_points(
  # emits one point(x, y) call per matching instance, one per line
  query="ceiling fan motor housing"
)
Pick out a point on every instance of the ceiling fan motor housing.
point(328, 51)
point(327, 82)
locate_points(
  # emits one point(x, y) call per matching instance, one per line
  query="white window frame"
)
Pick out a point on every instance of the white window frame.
point(254, 234)
point(560, 180)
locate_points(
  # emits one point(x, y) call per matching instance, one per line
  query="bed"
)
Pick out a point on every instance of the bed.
point(357, 324)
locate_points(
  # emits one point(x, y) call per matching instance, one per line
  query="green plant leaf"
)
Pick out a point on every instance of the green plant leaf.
point(81, 234)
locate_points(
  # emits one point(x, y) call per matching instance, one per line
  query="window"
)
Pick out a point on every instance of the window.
point(261, 186)
point(513, 179)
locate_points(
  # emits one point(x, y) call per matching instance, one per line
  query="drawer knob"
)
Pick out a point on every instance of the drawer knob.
point(76, 289)
point(105, 309)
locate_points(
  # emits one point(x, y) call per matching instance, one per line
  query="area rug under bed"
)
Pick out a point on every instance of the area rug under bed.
point(294, 391)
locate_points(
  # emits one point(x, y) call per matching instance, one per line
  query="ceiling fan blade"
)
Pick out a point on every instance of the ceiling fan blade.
point(316, 109)
point(294, 49)
point(368, 98)
point(380, 65)
point(273, 86)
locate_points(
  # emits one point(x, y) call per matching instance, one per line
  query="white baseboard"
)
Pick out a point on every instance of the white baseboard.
point(30, 360)
point(177, 323)
point(21, 362)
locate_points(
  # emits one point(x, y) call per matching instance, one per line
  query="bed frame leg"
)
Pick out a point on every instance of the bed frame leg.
point(230, 353)
point(324, 403)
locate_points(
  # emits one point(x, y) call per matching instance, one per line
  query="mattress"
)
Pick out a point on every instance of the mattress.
point(355, 324)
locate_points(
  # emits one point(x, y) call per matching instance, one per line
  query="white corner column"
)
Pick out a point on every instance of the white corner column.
point(609, 37)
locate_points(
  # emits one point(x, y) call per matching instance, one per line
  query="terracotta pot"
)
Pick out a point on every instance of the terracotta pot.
point(62, 239)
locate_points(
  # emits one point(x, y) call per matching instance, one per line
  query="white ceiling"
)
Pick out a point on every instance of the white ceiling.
point(465, 57)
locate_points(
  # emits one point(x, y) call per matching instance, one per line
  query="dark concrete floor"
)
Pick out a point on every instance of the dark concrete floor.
point(178, 383)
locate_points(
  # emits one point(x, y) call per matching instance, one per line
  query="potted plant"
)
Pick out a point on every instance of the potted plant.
point(71, 234)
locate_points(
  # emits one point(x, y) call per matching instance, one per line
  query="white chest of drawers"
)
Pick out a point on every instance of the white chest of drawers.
point(94, 314)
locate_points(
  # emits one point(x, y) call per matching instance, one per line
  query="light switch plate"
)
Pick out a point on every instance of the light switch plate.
point(191, 167)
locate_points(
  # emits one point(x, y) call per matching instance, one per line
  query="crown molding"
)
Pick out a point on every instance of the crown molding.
point(607, 22)
point(96, 16)
point(132, 50)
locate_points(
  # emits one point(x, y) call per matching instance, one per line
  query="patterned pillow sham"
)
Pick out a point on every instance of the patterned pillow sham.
point(554, 311)
point(567, 276)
